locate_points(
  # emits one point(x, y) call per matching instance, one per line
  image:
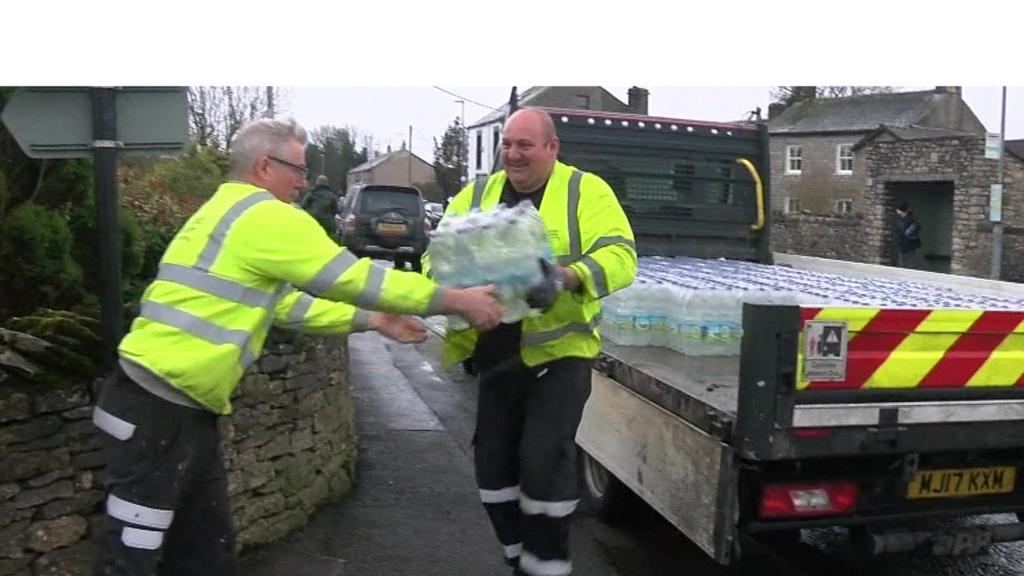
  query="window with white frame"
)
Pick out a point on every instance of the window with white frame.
point(794, 159)
point(844, 159)
point(844, 206)
point(792, 205)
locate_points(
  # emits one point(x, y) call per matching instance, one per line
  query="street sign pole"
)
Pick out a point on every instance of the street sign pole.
point(997, 220)
point(104, 129)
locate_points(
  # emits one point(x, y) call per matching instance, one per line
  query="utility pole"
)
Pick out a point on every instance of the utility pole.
point(463, 148)
point(410, 155)
point(997, 220)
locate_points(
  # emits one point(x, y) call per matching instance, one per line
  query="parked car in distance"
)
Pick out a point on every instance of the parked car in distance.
point(381, 221)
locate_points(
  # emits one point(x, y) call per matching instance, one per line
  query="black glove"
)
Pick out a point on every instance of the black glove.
point(543, 295)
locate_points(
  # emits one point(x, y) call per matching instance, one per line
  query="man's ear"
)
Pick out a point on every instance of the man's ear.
point(261, 166)
point(554, 144)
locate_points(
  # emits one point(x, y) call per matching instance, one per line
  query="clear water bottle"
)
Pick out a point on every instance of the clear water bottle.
point(538, 231)
point(612, 317)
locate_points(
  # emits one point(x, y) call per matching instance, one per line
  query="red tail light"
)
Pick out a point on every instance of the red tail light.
point(811, 433)
point(808, 500)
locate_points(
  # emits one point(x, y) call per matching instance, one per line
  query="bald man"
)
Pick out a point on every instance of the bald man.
point(535, 374)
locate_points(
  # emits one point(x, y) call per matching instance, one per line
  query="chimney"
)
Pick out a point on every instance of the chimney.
point(638, 100)
point(958, 90)
point(389, 148)
point(775, 108)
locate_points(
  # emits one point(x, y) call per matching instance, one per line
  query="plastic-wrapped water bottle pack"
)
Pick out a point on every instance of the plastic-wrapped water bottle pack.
point(501, 246)
point(695, 306)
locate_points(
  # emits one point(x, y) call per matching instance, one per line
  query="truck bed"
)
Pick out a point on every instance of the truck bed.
point(703, 390)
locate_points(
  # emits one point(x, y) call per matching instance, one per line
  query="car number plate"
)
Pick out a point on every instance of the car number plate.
point(960, 482)
point(385, 228)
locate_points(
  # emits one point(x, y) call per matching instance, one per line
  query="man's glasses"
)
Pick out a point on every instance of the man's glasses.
point(299, 170)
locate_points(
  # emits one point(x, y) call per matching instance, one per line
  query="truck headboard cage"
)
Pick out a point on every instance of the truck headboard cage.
point(680, 182)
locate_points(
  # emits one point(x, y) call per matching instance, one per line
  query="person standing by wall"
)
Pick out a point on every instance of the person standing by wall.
point(245, 260)
point(908, 238)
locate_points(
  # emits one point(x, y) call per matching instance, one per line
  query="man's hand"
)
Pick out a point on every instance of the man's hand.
point(406, 329)
point(477, 305)
point(556, 279)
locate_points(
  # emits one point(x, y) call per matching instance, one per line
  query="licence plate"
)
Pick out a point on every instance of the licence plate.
point(958, 482)
point(385, 228)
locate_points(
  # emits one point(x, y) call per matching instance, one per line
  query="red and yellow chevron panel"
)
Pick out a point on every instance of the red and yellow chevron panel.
point(915, 348)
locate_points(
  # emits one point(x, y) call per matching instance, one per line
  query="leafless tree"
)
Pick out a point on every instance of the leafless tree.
point(792, 94)
point(216, 113)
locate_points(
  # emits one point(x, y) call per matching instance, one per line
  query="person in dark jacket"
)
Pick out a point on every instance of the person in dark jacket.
point(321, 203)
point(908, 237)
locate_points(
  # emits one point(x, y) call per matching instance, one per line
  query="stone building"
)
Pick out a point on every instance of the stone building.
point(840, 166)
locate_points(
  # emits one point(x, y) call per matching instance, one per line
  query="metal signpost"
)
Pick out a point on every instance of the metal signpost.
point(996, 201)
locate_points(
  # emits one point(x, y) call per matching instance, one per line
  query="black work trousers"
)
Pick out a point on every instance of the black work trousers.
point(167, 499)
point(525, 452)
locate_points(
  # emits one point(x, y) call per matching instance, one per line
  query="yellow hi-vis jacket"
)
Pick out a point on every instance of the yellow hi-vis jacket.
point(242, 262)
point(588, 232)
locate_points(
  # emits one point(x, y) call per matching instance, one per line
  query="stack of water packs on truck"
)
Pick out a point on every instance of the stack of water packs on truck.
point(695, 306)
point(502, 247)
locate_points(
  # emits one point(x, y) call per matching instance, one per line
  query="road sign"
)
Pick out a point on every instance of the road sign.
point(58, 122)
point(992, 149)
point(995, 203)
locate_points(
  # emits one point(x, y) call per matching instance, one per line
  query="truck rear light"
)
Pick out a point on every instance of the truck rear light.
point(811, 433)
point(808, 500)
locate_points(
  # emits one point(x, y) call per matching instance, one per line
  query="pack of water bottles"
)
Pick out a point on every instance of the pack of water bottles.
point(501, 246)
point(695, 306)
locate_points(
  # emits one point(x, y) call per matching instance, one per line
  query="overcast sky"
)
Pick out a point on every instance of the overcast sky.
point(684, 53)
point(387, 112)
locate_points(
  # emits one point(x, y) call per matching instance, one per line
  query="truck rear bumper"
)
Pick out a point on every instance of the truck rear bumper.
point(967, 540)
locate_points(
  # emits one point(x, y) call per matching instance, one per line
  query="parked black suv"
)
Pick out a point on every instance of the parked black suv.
point(384, 222)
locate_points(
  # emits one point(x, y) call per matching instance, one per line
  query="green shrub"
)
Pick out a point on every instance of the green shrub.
point(36, 259)
point(159, 214)
point(3, 193)
point(86, 246)
point(197, 174)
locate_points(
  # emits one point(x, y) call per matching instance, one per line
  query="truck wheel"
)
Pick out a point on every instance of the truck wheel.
point(603, 494)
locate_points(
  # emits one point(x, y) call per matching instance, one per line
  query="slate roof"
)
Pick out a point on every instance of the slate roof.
point(1015, 147)
point(912, 132)
point(371, 164)
point(855, 113)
